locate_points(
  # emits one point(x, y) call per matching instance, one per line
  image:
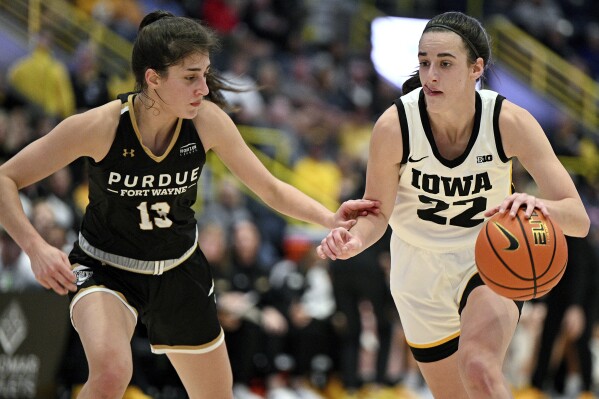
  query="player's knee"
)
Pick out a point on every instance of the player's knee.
point(479, 372)
point(109, 379)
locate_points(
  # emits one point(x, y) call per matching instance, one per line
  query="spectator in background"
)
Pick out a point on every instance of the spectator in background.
point(328, 21)
point(590, 49)
point(122, 16)
point(249, 102)
point(273, 20)
point(269, 78)
point(15, 130)
point(304, 294)
point(247, 313)
point(227, 207)
point(58, 193)
point(317, 175)
point(44, 79)
point(545, 20)
point(220, 15)
point(15, 267)
point(90, 84)
point(536, 17)
point(279, 112)
point(358, 279)
point(567, 330)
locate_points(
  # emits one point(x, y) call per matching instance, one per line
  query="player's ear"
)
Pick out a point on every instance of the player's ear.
point(478, 68)
point(152, 77)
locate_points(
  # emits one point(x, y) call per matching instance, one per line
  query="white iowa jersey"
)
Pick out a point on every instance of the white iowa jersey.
point(440, 202)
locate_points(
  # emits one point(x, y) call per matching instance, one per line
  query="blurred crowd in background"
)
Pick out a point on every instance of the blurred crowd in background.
point(298, 326)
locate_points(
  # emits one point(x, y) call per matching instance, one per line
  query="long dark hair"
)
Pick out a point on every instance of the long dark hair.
point(470, 30)
point(164, 39)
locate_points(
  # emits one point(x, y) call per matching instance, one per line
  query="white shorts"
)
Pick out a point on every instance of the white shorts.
point(427, 288)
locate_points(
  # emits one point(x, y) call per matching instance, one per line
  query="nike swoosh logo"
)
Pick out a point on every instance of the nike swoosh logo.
point(410, 159)
point(514, 244)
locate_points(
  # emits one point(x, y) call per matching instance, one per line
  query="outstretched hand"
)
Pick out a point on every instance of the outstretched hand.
point(339, 244)
point(350, 210)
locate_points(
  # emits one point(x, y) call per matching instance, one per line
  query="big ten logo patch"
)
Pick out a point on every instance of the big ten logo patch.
point(484, 158)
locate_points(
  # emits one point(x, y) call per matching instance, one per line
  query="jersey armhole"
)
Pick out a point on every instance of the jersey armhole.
point(496, 132)
point(405, 136)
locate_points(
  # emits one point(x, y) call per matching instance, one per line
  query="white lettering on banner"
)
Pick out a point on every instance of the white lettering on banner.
point(18, 373)
point(19, 364)
point(17, 387)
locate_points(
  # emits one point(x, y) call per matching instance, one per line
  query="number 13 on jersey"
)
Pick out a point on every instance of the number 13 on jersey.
point(162, 221)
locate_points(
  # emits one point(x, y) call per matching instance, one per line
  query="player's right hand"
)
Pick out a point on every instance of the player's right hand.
point(52, 269)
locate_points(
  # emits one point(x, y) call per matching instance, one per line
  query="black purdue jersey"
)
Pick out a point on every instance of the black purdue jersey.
point(141, 204)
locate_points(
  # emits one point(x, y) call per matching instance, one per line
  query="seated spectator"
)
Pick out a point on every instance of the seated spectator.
point(90, 84)
point(253, 325)
point(304, 293)
point(43, 79)
point(15, 267)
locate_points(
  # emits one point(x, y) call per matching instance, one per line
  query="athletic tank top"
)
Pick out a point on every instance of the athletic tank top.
point(440, 202)
point(140, 204)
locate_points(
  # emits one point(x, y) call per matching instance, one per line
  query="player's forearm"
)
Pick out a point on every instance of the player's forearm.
point(369, 229)
point(13, 218)
point(570, 215)
point(292, 202)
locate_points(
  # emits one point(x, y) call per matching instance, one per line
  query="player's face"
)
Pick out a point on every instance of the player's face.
point(185, 86)
point(445, 72)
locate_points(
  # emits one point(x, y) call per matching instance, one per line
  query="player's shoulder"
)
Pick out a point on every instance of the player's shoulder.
point(514, 116)
point(387, 128)
point(209, 110)
point(210, 116)
point(95, 128)
point(105, 117)
point(389, 118)
point(213, 124)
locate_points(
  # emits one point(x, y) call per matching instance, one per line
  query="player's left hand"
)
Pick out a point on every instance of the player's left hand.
point(515, 201)
point(350, 210)
point(339, 244)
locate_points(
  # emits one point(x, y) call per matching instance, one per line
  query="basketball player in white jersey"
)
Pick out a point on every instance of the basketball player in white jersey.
point(440, 162)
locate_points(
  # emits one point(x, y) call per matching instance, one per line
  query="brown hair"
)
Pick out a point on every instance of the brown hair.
point(471, 31)
point(164, 39)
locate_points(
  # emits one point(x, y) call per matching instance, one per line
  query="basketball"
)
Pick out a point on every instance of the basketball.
point(521, 258)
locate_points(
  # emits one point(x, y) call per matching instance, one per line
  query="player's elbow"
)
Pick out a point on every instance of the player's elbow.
point(585, 226)
point(579, 227)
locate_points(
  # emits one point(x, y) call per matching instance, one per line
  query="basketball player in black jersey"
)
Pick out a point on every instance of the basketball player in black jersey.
point(440, 162)
point(137, 253)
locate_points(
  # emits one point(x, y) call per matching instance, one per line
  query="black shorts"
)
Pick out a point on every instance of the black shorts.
point(178, 307)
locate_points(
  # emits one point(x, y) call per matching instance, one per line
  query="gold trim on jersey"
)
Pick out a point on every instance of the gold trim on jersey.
point(433, 344)
point(205, 348)
point(138, 133)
